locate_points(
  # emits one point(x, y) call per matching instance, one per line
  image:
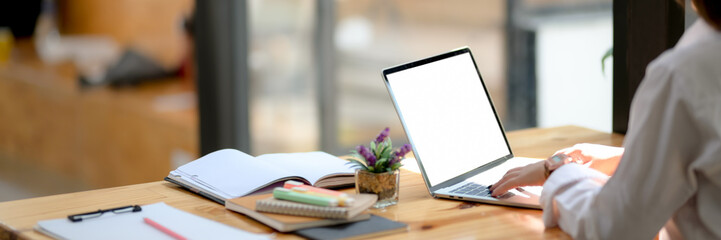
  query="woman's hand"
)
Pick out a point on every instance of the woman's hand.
point(529, 175)
point(600, 157)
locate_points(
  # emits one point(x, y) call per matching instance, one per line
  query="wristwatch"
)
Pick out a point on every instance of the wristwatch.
point(554, 162)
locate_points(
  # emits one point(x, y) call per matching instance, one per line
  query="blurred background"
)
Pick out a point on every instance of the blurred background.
point(105, 93)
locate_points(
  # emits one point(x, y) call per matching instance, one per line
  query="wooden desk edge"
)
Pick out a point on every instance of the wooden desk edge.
point(177, 195)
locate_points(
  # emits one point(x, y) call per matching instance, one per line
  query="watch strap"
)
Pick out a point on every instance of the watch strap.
point(554, 162)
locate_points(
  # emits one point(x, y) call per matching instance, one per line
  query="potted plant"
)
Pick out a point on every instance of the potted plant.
point(377, 168)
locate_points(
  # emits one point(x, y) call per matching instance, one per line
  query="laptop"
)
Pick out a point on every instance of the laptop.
point(458, 140)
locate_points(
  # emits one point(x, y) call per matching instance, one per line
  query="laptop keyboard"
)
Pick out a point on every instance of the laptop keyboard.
point(473, 189)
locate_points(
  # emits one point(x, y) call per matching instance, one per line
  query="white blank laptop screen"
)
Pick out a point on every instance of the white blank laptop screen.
point(448, 117)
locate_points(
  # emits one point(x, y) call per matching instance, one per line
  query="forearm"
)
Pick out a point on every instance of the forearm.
point(599, 157)
point(573, 199)
point(606, 166)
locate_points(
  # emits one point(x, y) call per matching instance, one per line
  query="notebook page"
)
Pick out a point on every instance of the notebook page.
point(232, 172)
point(309, 165)
point(186, 180)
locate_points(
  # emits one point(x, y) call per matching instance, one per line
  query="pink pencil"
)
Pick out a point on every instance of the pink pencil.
point(290, 184)
point(163, 229)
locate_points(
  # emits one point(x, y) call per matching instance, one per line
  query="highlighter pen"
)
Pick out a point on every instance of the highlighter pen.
point(342, 201)
point(290, 195)
point(290, 184)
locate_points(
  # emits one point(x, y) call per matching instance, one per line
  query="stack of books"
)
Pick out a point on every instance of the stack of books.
point(236, 179)
point(298, 206)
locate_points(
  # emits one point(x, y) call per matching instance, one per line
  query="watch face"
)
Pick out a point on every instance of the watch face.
point(557, 161)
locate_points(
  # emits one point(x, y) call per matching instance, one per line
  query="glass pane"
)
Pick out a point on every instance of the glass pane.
point(375, 34)
point(562, 50)
point(574, 82)
point(283, 112)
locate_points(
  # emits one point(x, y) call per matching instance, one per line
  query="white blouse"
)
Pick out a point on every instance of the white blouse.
point(670, 172)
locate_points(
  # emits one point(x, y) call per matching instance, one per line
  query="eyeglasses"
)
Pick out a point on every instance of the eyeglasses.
point(99, 212)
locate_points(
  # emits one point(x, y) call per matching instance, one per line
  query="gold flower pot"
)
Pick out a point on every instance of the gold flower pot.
point(385, 185)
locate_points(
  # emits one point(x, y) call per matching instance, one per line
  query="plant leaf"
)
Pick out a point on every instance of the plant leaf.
point(381, 148)
point(357, 156)
point(387, 151)
point(381, 163)
point(356, 164)
point(396, 166)
point(608, 54)
point(352, 161)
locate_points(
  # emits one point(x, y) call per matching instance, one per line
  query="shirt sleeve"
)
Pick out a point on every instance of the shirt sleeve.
point(651, 181)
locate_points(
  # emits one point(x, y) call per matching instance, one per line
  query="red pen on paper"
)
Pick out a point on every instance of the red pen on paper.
point(163, 229)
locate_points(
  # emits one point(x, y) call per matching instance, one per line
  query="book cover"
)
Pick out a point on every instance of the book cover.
point(282, 222)
point(375, 226)
point(272, 205)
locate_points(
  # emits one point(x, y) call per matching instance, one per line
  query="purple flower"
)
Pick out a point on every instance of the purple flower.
point(366, 153)
point(383, 135)
point(400, 153)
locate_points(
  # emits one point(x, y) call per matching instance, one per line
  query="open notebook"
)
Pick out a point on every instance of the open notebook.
point(229, 173)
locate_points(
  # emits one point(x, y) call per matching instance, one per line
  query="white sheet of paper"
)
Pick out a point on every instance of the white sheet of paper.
point(132, 226)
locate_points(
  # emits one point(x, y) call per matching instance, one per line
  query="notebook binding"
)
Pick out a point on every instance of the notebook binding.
point(301, 209)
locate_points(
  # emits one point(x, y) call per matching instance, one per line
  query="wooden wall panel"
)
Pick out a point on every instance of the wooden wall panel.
point(36, 120)
point(101, 136)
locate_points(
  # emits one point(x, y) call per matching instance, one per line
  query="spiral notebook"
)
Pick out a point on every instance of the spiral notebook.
point(286, 223)
point(272, 205)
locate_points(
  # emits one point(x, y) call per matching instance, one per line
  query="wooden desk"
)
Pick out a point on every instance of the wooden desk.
point(426, 217)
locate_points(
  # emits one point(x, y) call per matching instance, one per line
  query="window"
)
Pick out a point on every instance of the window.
point(540, 59)
point(283, 110)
